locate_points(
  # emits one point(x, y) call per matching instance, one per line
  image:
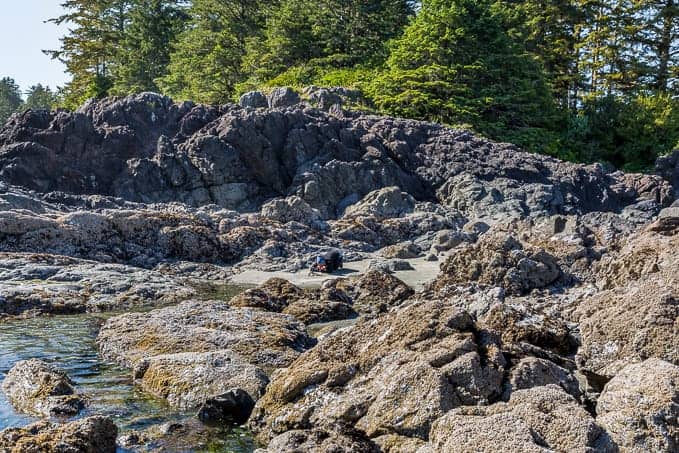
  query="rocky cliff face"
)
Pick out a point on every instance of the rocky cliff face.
point(146, 148)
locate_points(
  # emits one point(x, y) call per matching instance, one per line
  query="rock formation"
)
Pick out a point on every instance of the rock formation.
point(553, 324)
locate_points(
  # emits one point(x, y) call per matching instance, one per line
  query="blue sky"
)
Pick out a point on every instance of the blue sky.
point(23, 35)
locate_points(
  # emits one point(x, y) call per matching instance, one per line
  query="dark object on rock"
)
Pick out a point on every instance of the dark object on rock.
point(234, 406)
point(329, 262)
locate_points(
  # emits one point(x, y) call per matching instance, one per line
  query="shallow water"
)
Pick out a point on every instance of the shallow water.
point(69, 343)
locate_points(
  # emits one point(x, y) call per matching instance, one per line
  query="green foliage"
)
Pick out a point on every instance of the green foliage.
point(10, 98)
point(207, 61)
point(628, 133)
point(317, 36)
point(39, 97)
point(457, 64)
point(144, 52)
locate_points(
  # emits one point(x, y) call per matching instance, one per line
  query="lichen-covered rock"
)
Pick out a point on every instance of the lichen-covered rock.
point(90, 435)
point(320, 441)
point(38, 388)
point(630, 324)
point(39, 284)
point(291, 209)
point(516, 325)
point(541, 419)
point(394, 374)
point(374, 291)
point(383, 204)
point(187, 380)
point(308, 305)
point(402, 251)
point(200, 349)
point(532, 372)
point(639, 407)
point(499, 259)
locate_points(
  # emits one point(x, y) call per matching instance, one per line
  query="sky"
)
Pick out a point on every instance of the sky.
point(23, 35)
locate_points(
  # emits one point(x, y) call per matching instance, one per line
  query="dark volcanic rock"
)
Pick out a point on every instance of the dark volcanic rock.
point(147, 148)
point(234, 406)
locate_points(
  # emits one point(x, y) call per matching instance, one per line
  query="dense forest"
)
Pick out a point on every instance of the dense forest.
point(584, 80)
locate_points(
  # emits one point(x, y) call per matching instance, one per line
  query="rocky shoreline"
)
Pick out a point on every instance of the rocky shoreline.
point(540, 310)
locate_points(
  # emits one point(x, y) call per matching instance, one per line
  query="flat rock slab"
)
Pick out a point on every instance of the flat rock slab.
point(53, 284)
point(200, 349)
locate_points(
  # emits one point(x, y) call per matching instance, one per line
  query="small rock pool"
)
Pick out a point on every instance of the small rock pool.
point(69, 343)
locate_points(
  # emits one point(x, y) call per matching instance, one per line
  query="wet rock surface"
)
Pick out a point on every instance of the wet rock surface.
point(89, 435)
point(37, 388)
point(552, 324)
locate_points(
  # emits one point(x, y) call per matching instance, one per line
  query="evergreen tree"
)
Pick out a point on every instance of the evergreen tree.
point(39, 97)
point(658, 37)
point(328, 34)
point(96, 29)
point(456, 64)
point(207, 61)
point(10, 98)
point(144, 52)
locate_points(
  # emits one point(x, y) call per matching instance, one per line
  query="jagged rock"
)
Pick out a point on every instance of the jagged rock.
point(90, 435)
point(532, 372)
point(383, 204)
point(639, 407)
point(402, 251)
point(190, 379)
point(283, 97)
point(374, 291)
point(629, 324)
point(234, 406)
point(499, 259)
point(518, 325)
point(308, 305)
point(291, 209)
point(199, 349)
point(668, 168)
point(394, 374)
point(37, 388)
point(448, 239)
point(393, 443)
point(541, 419)
point(253, 99)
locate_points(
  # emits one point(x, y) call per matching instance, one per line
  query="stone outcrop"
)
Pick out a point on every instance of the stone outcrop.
point(640, 405)
point(37, 388)
point(201, 349)
point(395, 374)
point(540, 420)
point(90, 435)
point(500, 259)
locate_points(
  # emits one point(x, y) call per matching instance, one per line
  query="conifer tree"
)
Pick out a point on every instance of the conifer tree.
point(10, 98)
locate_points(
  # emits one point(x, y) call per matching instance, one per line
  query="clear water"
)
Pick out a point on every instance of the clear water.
point(69, 343)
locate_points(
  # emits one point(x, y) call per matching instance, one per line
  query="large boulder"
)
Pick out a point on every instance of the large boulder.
point(383, 204)
point(373, 292)
point(90, 435)
point(630, 324)
point(639, 407)
point(291, 209)
point(540, 420)
point(38, 388)
point(253, 99)
point(395, 374)
point(499, 259)
point(201, 349)
point(283, 97)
